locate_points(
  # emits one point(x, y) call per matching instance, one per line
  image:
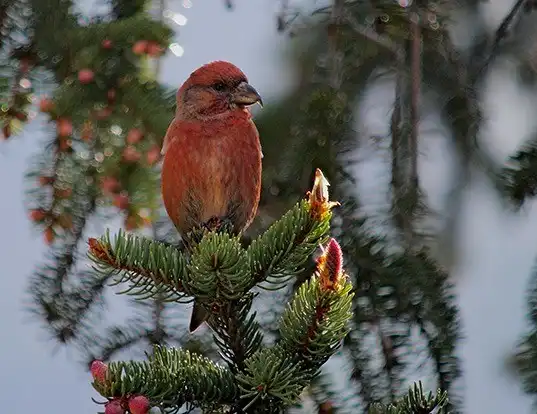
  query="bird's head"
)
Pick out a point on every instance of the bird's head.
point(214, 90)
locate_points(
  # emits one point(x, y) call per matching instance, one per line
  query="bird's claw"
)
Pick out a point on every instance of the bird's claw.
point(213, 224)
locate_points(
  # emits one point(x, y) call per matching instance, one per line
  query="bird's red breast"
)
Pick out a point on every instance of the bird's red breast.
point(212, 169)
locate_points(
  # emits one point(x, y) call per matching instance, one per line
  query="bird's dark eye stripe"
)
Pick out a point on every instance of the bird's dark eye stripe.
point(219, 86)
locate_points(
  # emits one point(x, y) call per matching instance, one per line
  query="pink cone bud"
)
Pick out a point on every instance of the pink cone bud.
point(98, 370)
point(334, 259)
point(330, 266)
point(113, 407)
point(139, 405)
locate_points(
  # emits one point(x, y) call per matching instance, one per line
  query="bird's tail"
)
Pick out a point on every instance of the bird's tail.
point(199, 315)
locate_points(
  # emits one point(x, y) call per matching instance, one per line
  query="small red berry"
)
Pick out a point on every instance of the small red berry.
point(154, 49)
point(21, 116)
point(121, 201)
point(326, 408)
point(46, 180)
point(38, 215)
point(111, 95)
point(98, 370)
point(106, 44)
point(140, 47)
point(65, 127)
point(49, 235)
point(6, 130)
point(131, 154)
point(139, 405)
point(86, 76)
point(109, 185)
point(46, 105)
point(153, 155)
point(134, 136)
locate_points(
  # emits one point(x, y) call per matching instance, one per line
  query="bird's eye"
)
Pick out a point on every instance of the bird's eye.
point(220, 86)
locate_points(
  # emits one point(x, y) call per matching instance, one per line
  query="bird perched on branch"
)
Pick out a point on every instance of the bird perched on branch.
point(211, 175)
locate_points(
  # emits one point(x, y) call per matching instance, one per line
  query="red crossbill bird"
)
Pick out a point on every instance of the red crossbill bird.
point(212, 155)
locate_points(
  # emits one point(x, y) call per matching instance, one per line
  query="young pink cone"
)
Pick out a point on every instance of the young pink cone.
point(139, 405)
point(98, 370)
point(113, 407)
point(330, 266)
point(334, 259)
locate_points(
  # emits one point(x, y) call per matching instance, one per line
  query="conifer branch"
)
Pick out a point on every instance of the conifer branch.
point(115, 339)
point(238, 334)
point(383, 41)
point(501, 33)
point(271, 379)
point(218, 272)
point(311, 330)
point(149, 266)
point(416, 401)
point(218, 268)
point(282, 250)
point(415, 62)
point(315, 322)
point(520, 175)
point(170, 377)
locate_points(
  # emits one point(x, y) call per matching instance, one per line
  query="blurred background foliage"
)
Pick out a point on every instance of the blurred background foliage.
point(106, 115)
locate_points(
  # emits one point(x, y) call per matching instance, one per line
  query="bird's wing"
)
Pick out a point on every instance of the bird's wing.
point(167, 139)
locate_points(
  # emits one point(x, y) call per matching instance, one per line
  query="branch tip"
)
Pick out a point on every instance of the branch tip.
point(318, 197)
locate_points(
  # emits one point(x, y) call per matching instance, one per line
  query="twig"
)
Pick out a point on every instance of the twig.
point(501, 33)
point(370, 34)
point(334, 57)
point(102, 253)
point(390, 359)
point(284, 7)
point(415, 84)
point(335, 69)
point(395, 129)
point(161, 9)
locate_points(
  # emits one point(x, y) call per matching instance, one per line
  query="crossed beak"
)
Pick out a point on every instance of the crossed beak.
point(245, 94)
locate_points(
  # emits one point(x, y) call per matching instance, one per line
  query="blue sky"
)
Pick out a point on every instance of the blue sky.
point(497, 249)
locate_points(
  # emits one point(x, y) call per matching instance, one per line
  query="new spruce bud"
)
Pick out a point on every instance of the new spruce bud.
point(113, 407)
point(330, 266)
point(139, 405)
point(98, 370)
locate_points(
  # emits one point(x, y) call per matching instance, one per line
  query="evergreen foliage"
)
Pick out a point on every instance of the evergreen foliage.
point(107, 116)
point(93, 81)
point(342, 51)
point(221, 273)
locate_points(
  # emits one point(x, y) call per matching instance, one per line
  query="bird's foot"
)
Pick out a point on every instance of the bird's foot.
point(219, 225)
point(213, 224)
